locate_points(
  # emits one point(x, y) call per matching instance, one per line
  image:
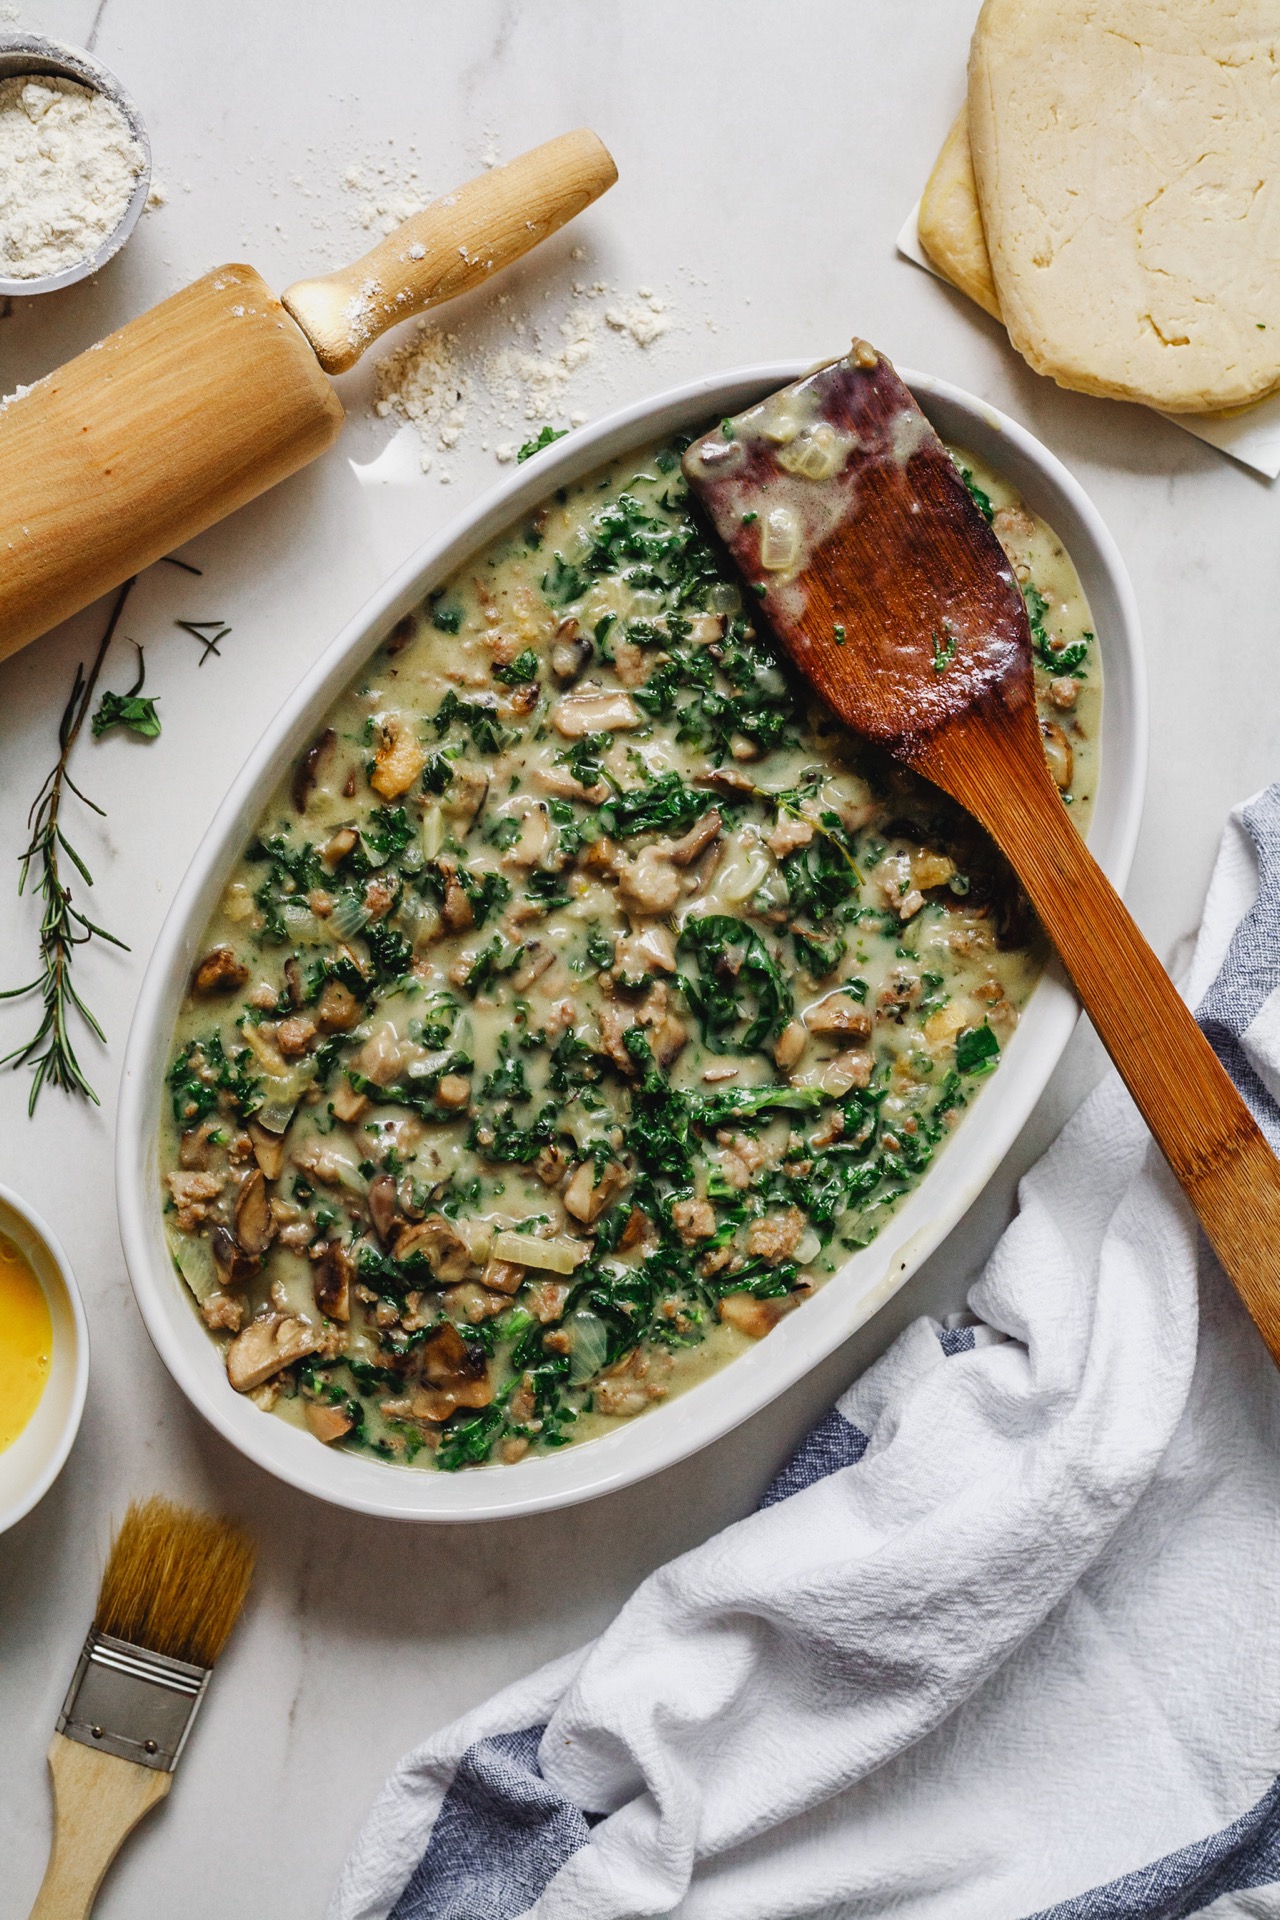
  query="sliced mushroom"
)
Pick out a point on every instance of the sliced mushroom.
point(219, 972)
point(683, 852)
point(455, 1373)
point(503, 1276)
point(456, 912)
point(255, 1228)
point(235, 1267)
point(338, 846)
point(534, 962)
point(331, 1280)
point(266, 1346)
point(839, 1013)
point(570, 653)
point(307, 770)
point(588, 1193)
point(327, 1423)
point(466, 794)
point(594, 710)
point(446, 1250)
point(268, 1150)
point(789, 1045)
point(383, 1210)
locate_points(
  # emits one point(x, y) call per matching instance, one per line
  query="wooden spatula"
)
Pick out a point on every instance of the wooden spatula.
point(847, 517)
point(219, 392)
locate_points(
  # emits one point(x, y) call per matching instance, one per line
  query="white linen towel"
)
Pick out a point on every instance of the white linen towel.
point(1001, 1641)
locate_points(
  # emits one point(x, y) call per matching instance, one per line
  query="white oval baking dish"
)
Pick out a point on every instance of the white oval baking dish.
point(679, 1427)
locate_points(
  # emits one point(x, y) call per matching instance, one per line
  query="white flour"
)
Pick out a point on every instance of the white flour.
point(68, 165)
point(514, 373)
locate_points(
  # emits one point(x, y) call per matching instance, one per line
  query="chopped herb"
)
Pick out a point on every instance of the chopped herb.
point(546, 438)
point(129, 710)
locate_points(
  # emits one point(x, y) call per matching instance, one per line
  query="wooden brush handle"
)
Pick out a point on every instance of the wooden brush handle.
point(451, 246)
point(97, 1802)
point(1183, 1092)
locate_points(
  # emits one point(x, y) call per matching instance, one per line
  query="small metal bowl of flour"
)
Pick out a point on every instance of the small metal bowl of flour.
point(75, 165)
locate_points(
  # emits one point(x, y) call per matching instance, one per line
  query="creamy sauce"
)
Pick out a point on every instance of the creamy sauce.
point(26, 1342)
point(586, 996)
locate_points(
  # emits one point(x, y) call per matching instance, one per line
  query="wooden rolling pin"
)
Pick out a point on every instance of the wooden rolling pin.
point(216, 394)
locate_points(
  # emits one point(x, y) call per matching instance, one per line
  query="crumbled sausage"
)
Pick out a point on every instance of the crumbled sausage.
point(753, 1317)
point(788, 836)
point(776, 1236)
point(219, 972)
point(693, 1220)
point(192, 1193)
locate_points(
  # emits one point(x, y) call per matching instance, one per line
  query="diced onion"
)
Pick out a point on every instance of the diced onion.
point(780, 540)
point(808, 1247)
point(745, 870)
point(300, 920)
point(589, 1345)
point(193, 1257)
point(432, 832)
point(817, 454)
point(349, 915)
point(560, 1255)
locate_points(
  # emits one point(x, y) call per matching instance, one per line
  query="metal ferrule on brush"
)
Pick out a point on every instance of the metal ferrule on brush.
point(131, 1702)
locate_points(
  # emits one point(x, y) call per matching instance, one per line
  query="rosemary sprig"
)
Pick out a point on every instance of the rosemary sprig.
point(51, 1049)
point(210, 634)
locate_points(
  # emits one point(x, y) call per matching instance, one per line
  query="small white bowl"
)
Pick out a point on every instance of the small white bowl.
point(869, 1278)
point(28, 53)
point(30, 1466)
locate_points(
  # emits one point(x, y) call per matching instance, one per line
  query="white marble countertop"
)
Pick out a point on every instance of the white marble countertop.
point(767, 159)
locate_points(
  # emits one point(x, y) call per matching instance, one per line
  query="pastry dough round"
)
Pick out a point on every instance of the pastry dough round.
point(1127, 156)
point(950, 221)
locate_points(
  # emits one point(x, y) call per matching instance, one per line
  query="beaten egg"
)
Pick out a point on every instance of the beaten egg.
point(26, 1342)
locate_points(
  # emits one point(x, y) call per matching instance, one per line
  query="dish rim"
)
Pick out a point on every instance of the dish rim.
point(56, 1458)
point(706, 1412)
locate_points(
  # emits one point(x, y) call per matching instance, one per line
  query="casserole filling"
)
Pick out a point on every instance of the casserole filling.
point(587, 995)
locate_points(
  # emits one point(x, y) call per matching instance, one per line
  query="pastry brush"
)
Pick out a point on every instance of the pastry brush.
point(171, 1593)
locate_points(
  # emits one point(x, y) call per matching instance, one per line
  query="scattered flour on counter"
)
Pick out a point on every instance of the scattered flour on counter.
point(384, 193)
point(522, 373)
point(68, 167)
point(425, 383)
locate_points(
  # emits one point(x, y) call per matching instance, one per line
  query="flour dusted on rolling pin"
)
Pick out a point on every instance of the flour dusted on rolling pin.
point(68, 167)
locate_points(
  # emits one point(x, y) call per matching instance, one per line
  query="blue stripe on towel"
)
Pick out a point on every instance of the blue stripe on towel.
point(1245, 1854)
point(499, 1837)
point(502, 1833)
point(1248, 974)
point(834, 1443)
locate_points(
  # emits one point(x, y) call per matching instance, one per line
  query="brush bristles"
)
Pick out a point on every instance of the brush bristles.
point(175, 1581)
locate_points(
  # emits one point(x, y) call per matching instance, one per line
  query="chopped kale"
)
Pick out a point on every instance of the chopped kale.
point(740, 996)
point(666, 805)
point(977, 1050)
